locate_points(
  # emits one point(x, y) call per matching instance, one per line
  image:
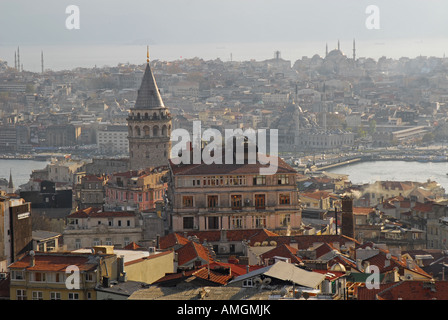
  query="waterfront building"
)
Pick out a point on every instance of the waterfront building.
point(113, 139)
point(378, 192)
point(326, 140)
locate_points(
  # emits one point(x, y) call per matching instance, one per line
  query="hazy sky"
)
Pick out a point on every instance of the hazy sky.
point(42, 22)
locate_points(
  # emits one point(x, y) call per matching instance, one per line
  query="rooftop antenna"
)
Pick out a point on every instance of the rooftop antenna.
point(336, 219)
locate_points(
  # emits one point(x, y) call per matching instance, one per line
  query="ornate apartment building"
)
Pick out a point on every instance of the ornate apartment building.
point(233, 196)
point(149, 126)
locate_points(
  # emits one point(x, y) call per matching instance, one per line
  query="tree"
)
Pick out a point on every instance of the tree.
point(428, 137)
point(30, 88)
point(372, 126)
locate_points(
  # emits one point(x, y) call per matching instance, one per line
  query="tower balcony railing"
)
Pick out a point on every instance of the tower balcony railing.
point(148, 117)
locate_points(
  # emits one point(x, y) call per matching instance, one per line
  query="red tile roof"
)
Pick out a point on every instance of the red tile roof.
point(284, 251)
point(380, 261)
point(423, 207)
point(254, 235)
point(362, 210)
point(415, 290)
point(132, 246)
point(192, 251)
point(171, 240)
point(204, 169)
point(315, 195)
point(307, 241)
point(364, 293)
point(92, 178)
point(56, 262)
point(323, 249)
point(98, 213)
point(346, 262)
point(213, 275)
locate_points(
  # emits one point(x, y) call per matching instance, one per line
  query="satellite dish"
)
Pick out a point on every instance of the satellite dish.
point(266, 280)
point(257, 280)
point(388, 256)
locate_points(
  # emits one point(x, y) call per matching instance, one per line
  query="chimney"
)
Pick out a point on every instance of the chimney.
point(32, 258)
point(120, 268)
point(347, 217)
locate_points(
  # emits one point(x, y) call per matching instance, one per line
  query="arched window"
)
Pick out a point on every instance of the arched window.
point(146, 131)
point(164, 131)
point(155, 131)
point(137, 131)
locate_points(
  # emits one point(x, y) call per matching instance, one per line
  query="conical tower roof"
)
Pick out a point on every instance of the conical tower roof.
point(10, 184)
point(148, 96)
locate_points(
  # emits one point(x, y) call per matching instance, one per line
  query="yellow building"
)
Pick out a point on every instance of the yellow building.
point(316, 200)
point(59, 276)
point(79, 275)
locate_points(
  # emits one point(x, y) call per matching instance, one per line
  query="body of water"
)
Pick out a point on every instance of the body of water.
point(362, 172)
point(20, 169)
point(67, 57)
point(369, 172)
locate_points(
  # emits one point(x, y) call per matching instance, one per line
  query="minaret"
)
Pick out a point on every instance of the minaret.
point(10, 184)
point(354, 50)
point(15, 60)
point(339, 46)
point(149, 125)
point(324, 116)
point(326, 50)
point(18, 58)
point(42, 60)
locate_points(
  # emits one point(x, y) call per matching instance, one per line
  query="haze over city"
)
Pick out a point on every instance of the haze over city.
point(95, 96)
point(202, 21)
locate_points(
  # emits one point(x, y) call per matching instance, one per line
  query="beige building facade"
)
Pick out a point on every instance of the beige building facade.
point(93, 227)
point(229, 197)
